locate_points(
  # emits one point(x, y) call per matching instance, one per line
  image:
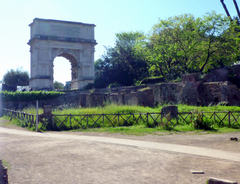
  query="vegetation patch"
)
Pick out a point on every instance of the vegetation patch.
point(29, 95)
point(136, 120)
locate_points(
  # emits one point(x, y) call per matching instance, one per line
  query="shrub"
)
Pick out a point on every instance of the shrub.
point(200, 122)
point(89, 86)
point(114, 85)
point(29, 95)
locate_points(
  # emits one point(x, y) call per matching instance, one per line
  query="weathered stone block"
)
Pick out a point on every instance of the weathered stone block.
point(82, 100)
point(217, 75)
point(95, 100)
point(189, 93)
point(171, 110)
point(146, 97)
point(169, 93)
point(193, 77)
point(113, 98)
point(121, 99)
point(215, 92)
point(47, 109)
point(131, 98)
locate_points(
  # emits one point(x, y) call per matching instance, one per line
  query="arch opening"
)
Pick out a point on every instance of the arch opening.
point(65, 69)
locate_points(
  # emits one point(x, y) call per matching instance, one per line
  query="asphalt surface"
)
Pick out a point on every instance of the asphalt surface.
point(67, 157)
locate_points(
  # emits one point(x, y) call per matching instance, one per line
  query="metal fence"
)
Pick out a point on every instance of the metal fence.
point(84, 121)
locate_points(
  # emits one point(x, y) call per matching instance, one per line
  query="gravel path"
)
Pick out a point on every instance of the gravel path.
point(76, 157)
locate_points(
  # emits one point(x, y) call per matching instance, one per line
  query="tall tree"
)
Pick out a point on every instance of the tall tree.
point(121, 64)
point(58, 85)
point(184, 44)
point(16, 77)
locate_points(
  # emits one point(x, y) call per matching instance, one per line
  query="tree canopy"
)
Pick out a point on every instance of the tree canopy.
point(16, 77)
point(175, 46)
point(58, 85)
point(121, 64)
point(185, 44)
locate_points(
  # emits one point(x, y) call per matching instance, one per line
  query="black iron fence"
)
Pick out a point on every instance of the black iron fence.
point(84, 121)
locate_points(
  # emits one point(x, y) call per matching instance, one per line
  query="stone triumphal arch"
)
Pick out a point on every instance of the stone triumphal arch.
point(71, 40)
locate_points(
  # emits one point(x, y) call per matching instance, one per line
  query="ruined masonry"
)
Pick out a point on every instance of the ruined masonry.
point(212, 89)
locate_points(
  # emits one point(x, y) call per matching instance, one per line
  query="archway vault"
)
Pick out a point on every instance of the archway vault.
point(71, 40)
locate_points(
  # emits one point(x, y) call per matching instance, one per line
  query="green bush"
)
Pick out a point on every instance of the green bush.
point(114, 85)
point(89, 86)
point(201, 122)
point(29, 95)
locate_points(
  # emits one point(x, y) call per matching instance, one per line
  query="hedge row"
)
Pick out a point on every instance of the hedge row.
point(28, 95)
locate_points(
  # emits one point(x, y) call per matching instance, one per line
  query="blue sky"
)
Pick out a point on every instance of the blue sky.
point(109, 16)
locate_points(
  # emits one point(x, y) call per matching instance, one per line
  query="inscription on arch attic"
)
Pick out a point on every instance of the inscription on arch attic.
point(71, 40)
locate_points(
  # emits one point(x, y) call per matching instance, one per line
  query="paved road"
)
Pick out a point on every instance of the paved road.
point(206, 152)
point(66, 158)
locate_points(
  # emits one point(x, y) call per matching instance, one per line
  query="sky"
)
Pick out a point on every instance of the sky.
point(109, 16)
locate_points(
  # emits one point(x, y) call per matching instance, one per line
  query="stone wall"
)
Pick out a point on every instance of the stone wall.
point(167, 93)
point(189, 93)
point(145, 97)
point(131, 98)
point(95, 99)
point(192, 91)
point(215, 92)
point(194, 77)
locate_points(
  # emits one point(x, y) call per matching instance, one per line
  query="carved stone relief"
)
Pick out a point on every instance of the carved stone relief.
point(65, 31)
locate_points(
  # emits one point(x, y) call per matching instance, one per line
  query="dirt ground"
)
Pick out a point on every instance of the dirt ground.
point(48, 159)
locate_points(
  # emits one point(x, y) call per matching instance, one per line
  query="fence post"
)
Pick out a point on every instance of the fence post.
point(147, 118)
point(70, 121)
point(31, 120)
point(53, 122)
point(177, 118)
point(87, 120)
point(118, 119)
point(229, 120)
point(161, 117)
point(103, 118)
point(191, 117)
point(37, 115)
point(21, 117)
point(214, 117)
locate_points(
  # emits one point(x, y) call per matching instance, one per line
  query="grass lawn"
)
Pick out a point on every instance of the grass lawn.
point(125, 109)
